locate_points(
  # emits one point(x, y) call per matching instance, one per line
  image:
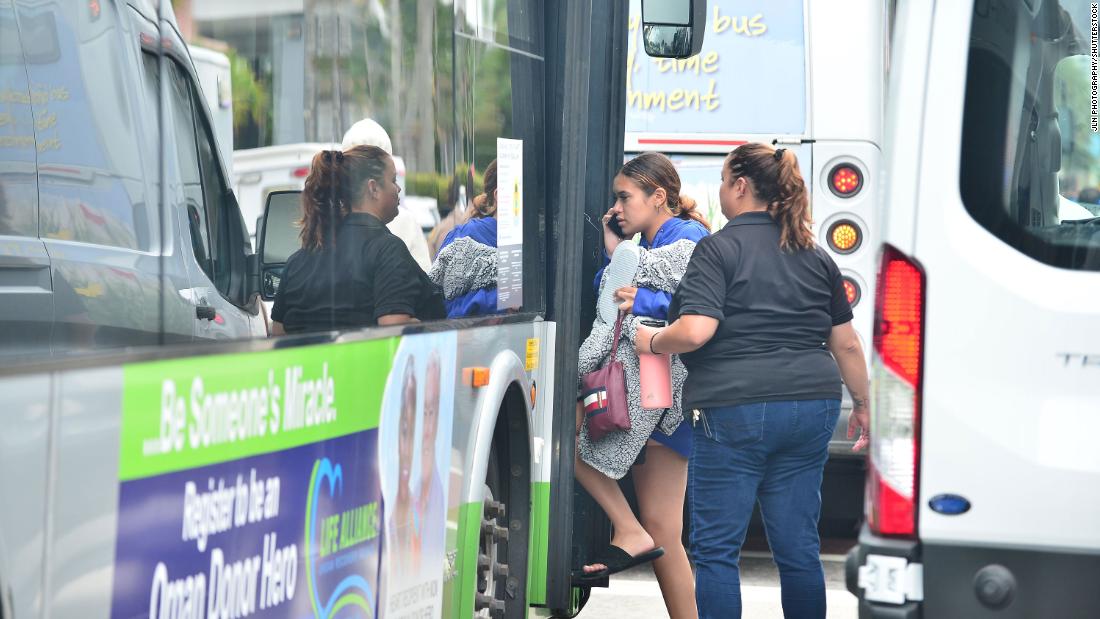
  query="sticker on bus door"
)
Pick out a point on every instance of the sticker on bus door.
point(249, 485)
point(416, 427)
point(509, 224)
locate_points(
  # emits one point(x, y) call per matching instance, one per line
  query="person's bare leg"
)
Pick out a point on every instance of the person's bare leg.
point(660, 484)
point(629, 534)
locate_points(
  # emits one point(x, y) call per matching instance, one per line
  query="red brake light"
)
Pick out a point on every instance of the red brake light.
point(300, 172)
point(851, 289)
point(845, 180)
point(896, 390)
point(898, 310)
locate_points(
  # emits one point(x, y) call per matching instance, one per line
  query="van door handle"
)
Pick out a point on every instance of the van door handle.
point(205, 312)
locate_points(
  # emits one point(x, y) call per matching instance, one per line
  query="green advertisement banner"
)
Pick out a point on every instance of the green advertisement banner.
point(184, 413)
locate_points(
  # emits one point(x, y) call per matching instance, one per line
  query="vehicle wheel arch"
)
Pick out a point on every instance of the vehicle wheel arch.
point(507, 397)
point(502, 436)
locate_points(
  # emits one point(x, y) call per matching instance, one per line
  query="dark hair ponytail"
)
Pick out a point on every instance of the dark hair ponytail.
point(652, 170)
point(485, 204)
point(334, 186)
point(776, 181)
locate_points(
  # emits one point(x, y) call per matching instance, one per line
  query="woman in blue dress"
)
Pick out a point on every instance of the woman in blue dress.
point(466, 266)
point(648, 202)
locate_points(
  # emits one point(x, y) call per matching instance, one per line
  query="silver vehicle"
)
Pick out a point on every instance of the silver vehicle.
point(94, 252)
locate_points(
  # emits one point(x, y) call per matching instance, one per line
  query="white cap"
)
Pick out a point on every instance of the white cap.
point(366, 132)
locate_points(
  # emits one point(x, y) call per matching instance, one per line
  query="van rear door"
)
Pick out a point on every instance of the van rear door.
point(1011, 387)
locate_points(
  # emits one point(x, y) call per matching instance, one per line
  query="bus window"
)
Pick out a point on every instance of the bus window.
point(1030, 158)
point(443, 84)
point(511, 23)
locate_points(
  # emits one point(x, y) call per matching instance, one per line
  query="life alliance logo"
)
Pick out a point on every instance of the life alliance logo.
point(337, 533)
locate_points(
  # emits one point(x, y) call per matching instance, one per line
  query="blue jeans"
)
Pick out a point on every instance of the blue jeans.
point(774, 453)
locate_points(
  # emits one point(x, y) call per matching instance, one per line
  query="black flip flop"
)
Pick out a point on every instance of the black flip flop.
point(617, 560)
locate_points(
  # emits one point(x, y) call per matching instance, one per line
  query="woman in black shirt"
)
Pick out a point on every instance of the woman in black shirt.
point(756, 317)
point(352, 271)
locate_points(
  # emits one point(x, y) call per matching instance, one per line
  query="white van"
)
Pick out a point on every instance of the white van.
point(96, 252)
point(257, 172)
point(983, 496)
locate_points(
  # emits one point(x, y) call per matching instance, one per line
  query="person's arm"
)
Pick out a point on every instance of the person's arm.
point(388, 320)
point(277, 328)
point(480, 302)
point(846, 348)
point(650, 303)
point(687, 334)
point(701, 296)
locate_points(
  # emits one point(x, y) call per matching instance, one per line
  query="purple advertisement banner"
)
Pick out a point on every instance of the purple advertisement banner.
point(295, 533)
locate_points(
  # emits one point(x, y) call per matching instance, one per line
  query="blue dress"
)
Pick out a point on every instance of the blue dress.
point(652, 303)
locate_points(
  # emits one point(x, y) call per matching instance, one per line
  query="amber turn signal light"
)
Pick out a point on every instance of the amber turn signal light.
point(844, 237)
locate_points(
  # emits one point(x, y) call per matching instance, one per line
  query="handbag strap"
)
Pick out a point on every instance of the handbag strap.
point(618, 332)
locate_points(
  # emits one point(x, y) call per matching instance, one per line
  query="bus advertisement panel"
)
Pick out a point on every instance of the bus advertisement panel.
point(255, 484)
point(249, 485)
point(753, 49)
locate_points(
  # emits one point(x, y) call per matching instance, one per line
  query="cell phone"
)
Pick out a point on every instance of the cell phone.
point(613, 224)
point(657, 324)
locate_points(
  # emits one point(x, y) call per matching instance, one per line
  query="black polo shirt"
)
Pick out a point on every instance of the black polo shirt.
point(775, 311)
point(366, 273)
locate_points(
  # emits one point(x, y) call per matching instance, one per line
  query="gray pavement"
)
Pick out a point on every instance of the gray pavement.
point(635, 593)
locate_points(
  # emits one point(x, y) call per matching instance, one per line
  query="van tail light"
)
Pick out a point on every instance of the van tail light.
point(897, 369)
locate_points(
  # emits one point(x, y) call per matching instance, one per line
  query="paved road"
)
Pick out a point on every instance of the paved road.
point(635, 593)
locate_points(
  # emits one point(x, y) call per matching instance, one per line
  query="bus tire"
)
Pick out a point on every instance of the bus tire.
point(503, 544)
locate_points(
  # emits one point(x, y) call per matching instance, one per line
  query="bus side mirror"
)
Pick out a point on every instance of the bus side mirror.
point(673, 28)
point(278, 238)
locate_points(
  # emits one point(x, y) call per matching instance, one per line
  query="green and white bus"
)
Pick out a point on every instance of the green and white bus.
point(158, 456)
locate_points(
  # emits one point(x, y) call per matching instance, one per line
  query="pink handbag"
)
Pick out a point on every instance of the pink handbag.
point(603, 394)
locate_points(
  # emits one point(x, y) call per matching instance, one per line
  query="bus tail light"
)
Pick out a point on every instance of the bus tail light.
point(845, 180)
point(851, 289)
point(845, 237)
point(897, 369)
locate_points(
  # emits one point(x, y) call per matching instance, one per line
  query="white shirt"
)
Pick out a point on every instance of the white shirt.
point(405, 227)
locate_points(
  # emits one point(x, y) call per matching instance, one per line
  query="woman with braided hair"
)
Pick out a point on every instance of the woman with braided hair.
point(763, 324)
point(351, 270)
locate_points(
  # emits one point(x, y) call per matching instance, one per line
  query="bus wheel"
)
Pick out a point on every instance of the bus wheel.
point(505, 518)
point(492, 573)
